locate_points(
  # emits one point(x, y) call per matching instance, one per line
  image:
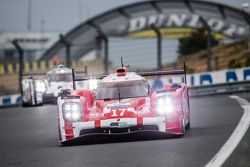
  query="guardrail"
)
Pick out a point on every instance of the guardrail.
point(10, 100)
point(196, 91)
point(216, 89)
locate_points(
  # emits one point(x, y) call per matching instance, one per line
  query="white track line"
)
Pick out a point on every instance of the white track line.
point(235, 137)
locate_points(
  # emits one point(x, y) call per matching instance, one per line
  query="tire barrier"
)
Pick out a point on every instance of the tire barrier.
point(40, 66)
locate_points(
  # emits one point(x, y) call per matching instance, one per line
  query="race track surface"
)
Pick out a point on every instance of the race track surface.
point(29, 137)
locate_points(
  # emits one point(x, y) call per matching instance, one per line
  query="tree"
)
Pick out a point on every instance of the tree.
point(196, 42)
point(233, 64)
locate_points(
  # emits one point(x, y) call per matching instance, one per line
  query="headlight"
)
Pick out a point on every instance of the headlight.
point(92, 84)
point(164, 105)
point(71, 111)
point(40, 86)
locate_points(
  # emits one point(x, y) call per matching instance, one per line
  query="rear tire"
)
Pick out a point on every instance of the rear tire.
point(188, 125)
point(25, 105)
point(182, 127)
point(182, 121)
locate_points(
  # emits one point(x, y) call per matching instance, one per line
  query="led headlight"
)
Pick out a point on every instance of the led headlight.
point(71, 111)
point(40, 86)
point(93, 84)
point(164, 105)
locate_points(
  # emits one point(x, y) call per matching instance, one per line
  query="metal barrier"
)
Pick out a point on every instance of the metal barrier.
point(216, 89)
point(10, 100)
point(197, 91)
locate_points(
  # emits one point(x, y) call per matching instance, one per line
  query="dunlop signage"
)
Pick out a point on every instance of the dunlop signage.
point(174, 33)
point(174, 19)
point(220, 26)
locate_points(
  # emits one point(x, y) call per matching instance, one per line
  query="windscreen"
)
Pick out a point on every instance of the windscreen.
point(125, 89)
point(60, 77)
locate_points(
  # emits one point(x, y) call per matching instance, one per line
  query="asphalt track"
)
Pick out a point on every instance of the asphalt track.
point(29, 137)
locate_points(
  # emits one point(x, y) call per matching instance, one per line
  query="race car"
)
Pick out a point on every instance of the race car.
point(32, 91)
point(123, 103)
point(47, 88)
point(55, 80)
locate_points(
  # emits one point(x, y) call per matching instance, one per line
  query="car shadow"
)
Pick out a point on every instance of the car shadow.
point(121, 138)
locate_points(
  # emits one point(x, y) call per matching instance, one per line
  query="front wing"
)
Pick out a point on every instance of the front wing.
point(71, 131)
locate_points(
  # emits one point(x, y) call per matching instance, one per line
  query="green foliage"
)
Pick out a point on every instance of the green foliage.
point(233, 64)
point(189, 70)
point(196, 42)
point(247, 62)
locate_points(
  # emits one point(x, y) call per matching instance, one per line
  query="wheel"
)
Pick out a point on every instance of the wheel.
point(182, 121)
point(25, 105)
point(59, 134)
point(188, 125)
point(67, 143)
point(182, 127)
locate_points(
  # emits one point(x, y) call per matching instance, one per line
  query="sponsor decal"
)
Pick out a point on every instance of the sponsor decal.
point(118, 105)
point(141, 23)
point(125, 103)
point(117, 112)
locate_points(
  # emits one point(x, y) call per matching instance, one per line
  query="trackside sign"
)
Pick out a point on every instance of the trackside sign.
point(202, 79)
point(218, 25)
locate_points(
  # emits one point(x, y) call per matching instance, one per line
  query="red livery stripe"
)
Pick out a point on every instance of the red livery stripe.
point(97, 123)
point(68, 127)
point(139, 120)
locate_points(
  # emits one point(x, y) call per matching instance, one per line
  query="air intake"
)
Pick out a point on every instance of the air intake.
point(121, 71)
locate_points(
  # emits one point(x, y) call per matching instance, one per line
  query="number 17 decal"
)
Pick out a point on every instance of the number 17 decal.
point(121, 112)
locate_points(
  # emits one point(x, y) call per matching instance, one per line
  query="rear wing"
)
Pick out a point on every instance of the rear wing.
point(168, 72)
point(44, 73)
point(84, 78)
point(153, 73)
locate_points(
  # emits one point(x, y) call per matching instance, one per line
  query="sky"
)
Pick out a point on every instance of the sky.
point(60, 15)
point(63, 15)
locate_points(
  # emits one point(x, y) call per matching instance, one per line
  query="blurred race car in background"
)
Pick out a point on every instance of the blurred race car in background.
point(123, 103)
point(32, 91)
point(56, 80)
point(45, 90)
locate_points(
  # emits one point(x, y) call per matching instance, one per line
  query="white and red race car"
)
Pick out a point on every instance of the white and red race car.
point(55, 80)
point(48, 87)
point(123, 103)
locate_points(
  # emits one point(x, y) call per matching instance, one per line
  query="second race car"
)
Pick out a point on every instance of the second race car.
point(46, 89)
